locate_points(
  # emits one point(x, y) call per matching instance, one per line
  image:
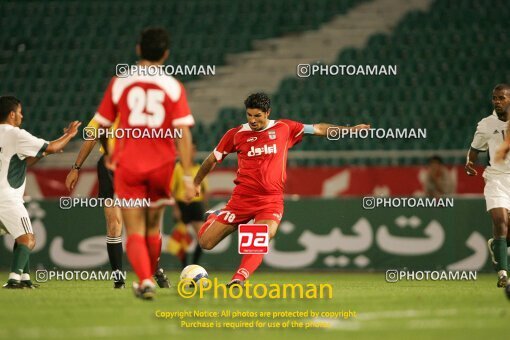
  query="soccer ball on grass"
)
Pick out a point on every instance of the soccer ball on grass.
point(196, 274)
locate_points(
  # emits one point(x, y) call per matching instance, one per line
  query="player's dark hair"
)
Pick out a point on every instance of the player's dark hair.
point(154, 41)
point(436, 158)
point(501, 87)
point(258, 101)
point(7, 105)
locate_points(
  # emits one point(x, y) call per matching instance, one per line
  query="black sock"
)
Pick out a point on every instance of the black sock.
point(114, 247)
point(197, 254)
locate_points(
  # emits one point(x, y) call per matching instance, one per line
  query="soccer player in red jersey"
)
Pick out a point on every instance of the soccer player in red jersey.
point(261, 146)
point(156, 107)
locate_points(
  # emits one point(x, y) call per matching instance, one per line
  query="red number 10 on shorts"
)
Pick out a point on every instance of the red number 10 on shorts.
point(253, 238)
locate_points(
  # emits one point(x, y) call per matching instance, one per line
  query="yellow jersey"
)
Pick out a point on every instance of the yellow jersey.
point(178, 191)
point(110, 143)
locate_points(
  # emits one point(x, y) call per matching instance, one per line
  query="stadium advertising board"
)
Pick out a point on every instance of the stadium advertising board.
point(339, 235)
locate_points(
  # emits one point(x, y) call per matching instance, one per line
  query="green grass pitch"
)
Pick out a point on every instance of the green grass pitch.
point(403, 310)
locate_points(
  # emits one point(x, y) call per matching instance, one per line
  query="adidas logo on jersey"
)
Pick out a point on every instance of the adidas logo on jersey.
point(266, 150)
point(495, 132)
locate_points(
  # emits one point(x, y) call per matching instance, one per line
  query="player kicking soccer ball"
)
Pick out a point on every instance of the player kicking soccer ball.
point(18, 148)
point(489, 135)
point(261, 145)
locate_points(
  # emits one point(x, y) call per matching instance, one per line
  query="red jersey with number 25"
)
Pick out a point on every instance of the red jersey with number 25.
point(262, 155)
point(144, 103)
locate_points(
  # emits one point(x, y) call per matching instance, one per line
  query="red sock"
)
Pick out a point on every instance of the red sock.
point(249, 263)
point(138, 256)
point(154, 249)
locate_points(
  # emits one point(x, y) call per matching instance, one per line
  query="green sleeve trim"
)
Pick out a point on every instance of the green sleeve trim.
point(41, 151)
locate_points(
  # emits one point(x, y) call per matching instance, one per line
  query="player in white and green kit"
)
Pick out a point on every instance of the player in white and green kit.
point(18, 149)
point(489, 135)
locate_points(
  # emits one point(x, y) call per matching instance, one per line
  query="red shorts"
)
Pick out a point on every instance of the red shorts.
point(241, 209)
point(153, 185)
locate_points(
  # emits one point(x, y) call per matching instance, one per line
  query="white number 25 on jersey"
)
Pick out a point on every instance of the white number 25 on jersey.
point(146, 107)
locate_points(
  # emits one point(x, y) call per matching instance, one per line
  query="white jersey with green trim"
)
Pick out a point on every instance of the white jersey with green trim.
point(489, 135)
point(15, 146)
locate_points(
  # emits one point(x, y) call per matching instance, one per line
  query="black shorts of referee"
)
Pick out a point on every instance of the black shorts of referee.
point(191, 212)
point(105, 179)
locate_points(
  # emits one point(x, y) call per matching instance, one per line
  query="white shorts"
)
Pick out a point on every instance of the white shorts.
point(14, 220)
point(497, 191)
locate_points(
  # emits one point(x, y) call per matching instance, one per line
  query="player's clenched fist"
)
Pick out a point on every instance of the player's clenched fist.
point(190, 190)
point(197, 189)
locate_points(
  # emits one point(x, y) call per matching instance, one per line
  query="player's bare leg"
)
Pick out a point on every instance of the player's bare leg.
point(20, 262)
point(137, 252)
point(153, 240)
point(28, 240)
point(498, 245)
point(113, 217)
point(250, 262)
point(211, 233)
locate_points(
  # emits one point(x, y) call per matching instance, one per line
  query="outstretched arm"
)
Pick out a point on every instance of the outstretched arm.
point(185, 145)
point(72, 176)
point(206, 167)
point(58, 144)
point(85, 150)
point(321, 129)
